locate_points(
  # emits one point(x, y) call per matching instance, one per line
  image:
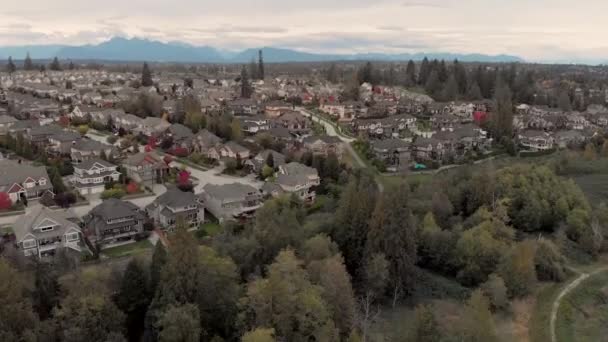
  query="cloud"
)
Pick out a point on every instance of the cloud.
point(426, 3)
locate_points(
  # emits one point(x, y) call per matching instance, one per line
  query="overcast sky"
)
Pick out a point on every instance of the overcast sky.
point(533, 29)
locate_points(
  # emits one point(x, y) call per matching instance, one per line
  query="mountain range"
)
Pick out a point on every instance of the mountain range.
point(135, 49)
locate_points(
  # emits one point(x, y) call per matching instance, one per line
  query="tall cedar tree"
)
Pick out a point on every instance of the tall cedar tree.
point(392, 232)
point(245, 86)
point(46, 293)
point(146, 76)
point(55, 65)
point(134, 297)
point(502, 118)
point(425, 72)
point(352, 219)
point(10, 66)
point(261, 72)
point(27, 63)
point(410, 74)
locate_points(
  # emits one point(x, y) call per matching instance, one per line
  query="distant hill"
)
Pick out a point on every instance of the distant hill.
point(122, 49)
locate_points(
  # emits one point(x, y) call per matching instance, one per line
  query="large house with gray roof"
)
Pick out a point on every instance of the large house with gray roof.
point(42, 231)
point(21, 180)
point(174, 205)
point(91, 176)
point(113, 221)
point(146, 168)
point(294, 178)
point(231, 201)
point(85, 149)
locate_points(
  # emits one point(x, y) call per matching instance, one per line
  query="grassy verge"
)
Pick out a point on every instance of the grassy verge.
point(127, 250)
point(212, 228)
point(541, 315)
point(583, 313)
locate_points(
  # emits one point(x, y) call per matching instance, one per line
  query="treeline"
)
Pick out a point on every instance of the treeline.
point(297, 273)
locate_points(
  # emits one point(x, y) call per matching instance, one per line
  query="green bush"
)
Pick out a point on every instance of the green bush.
point(113, 193)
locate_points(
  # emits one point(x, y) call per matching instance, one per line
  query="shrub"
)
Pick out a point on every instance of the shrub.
point(113, 193)
point(549, 262)
point(112, 140)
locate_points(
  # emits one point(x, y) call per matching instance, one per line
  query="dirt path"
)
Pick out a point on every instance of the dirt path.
point(571, 286)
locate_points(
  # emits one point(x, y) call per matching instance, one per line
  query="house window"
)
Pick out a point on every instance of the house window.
point(29, 244)
point(72, 237)
point(46, 229)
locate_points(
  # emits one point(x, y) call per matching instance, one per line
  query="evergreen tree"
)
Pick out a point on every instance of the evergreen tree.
point(261, 72)
point(425, 72)
point(146, 76)
point(450, 91)
point(433, 85)
point(180, 324)
point(474, 92)
point(27, 63)
point(10, 66)
point(392, 232)
point(134, 297)
point(55, 66)
point(502, 118)
point(460, 73)
point(410, 74)
point(46, 293)
point(159, 259)
point(478, 322)
point(71, 66)
point(332, 73)
point(245, 86)
point(366, 73)
point(270, 160)
point(564, 102)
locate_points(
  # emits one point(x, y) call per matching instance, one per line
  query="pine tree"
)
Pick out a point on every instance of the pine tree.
point(159, 259)
point(10, 67)
point(332, 73)
point(134, 297)
point(55, 66)
point(474, 92)
point(410, 74)
point(502, 118)
point(245, 86)
point(450, 92)
point(425, 72)
point(146, 76)
point(27, 63)
point(261, 72)
point(433, 86)
point(71, 66)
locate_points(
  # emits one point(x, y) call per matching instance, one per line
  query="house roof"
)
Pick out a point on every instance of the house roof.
point(295, 168)
point(143, 158)
point(113, 208)
point(12, 172)
point(229, 192)
point(88, 164)
point(90, 145)
point(176, 198)
point(25, 224)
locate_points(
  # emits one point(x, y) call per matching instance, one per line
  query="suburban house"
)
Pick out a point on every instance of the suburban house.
point(113, 221)
point(323, 145)
point(536, 140)
point(43, 231)
point(204, 140)
point(152, 126)
point(173, 205)
point(62, 142)
point(242, 107)
point(231, 201)
point(394, 153)
point(257, 163)
point(181, 135)
point(21, 180)
point(294, 121)
point(428, 149)
point(254, 124)
point(228, 150)
point(85, 149)
point(91, 176)
point(274, 109)
point(299, 179)
point(146, 168)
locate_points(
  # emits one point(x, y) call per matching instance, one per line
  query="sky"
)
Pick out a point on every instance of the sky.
point(537, 30)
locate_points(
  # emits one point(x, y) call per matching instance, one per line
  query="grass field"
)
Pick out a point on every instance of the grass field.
point(127, 250)
point(541, 313)
point(583, 313)
point(595, 186)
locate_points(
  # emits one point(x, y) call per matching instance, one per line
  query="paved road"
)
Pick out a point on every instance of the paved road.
point(330, 129)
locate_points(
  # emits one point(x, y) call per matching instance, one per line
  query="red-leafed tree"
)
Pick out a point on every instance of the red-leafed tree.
point(5, 201)
point(132, 188)
point(151, 143)
point(183, 177)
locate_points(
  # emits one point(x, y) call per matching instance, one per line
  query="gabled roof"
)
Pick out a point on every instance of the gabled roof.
point(40, 216)
point(229, 192)
point(94, 162)
point(176, 198)
point(113, 208)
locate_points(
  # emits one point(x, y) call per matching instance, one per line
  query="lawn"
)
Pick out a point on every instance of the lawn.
point(211, 228)
point(129, 249)
point(583, 313)
point(595, 186)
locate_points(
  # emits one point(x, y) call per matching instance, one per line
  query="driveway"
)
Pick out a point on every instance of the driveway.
point(215, 176)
